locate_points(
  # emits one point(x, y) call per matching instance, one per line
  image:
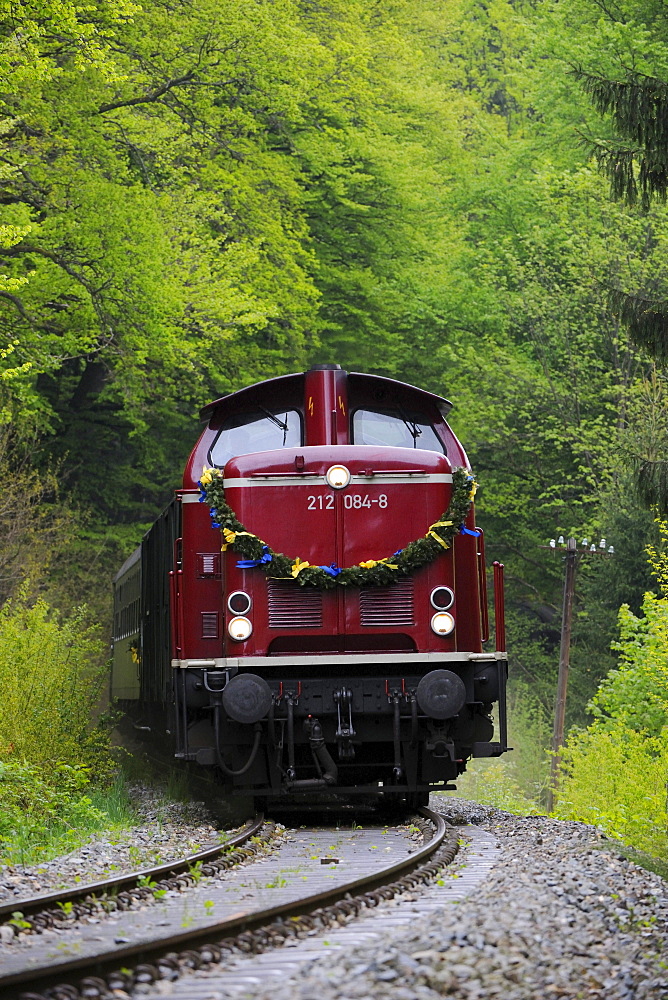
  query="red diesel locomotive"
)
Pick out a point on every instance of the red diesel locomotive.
point(325, 639)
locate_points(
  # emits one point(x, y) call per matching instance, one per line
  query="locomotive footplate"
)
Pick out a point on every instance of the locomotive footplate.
point(403, 733)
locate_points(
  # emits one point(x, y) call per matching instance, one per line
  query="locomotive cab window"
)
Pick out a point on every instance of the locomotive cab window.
point(256, 430)
point(395, 428)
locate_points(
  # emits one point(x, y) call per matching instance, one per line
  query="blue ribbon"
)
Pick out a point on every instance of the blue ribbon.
point(397, 553)
point(467, 531)
point(331, 570)
point(203, 492)
point(266, 557)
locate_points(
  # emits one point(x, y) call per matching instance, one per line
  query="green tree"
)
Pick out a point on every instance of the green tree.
point(615, 771)
point(618, 54)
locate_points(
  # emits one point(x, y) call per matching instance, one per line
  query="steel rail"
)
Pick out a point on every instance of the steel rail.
point(34, 983)
point(33, 905)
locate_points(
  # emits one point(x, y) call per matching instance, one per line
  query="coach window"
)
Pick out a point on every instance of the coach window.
point(256, 430)
point(395, 428)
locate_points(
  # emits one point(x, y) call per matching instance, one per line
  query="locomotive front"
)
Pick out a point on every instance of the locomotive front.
point(335, 683)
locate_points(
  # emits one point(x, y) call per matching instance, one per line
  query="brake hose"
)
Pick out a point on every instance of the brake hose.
point(253, 754)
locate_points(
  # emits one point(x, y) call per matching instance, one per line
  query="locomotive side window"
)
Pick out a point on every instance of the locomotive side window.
point(395, 428)
point(256, 430)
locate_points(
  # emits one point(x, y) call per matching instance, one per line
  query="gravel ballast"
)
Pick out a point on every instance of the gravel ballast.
point(558, 917)
point(562, 915)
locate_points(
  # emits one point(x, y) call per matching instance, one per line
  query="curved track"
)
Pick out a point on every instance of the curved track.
point(38, 912)
point(251, 927)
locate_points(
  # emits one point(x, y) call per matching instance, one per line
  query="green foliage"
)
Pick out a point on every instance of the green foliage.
point(41, 817)
point(54, 759)
point(615, 773)
point(636, 693)
point(622, 67)
point(36, 526)
point(51, 678)
point(518, 780)
point(618, 54)
point(33, 806)
point(493, 784)
point(616, 779)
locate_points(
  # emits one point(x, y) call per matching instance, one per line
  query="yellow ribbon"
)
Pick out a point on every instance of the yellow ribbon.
point(208, 475)
point(298, 566)
point(370, 563)
point(474, 488)
point(432, 534)
point(230, 536)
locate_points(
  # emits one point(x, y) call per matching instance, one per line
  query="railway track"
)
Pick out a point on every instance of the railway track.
point(320, 877)
point(120, 892)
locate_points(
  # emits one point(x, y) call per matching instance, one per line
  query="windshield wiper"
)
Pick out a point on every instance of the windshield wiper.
point(283, 424)
point(413, 428)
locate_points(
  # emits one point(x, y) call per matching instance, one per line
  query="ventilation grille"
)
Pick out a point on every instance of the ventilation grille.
point(292, 606)
point(209, 624)
point(208, 565)
point(391, 605)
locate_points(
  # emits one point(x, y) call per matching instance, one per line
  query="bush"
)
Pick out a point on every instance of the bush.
point(37, 525)
point(41, 818)
point(51, 678)
point(636, 693)
point(615, 773)
point(493, 783)
point(35, 811)
point(515, 782)
point(530, 734)
point(617, 778)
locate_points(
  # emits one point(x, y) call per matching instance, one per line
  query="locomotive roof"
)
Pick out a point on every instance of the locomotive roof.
point(250, 392)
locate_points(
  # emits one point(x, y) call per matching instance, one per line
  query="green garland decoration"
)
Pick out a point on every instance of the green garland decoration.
point(371, 572)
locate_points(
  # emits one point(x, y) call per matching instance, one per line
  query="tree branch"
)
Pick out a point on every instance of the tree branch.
point(148, 98)
point(16, 302)
point(22, 248)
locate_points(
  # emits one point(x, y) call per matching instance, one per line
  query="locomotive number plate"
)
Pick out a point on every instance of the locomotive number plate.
point(350, 501)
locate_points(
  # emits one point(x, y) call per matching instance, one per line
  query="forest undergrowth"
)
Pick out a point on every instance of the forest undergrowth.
point(59, 775)
point(613, 772)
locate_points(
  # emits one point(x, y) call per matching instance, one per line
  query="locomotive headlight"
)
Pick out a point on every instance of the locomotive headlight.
point(239, 628)
point(337, 476)
point(442, 623)
point(239, 602)
point(442, 598)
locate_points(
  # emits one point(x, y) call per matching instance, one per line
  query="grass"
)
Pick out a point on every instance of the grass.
point(641, 858)
point(493, 783)
point(37, 839)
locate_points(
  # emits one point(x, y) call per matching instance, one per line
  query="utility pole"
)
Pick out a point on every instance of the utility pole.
point(572, 557)
point(564, 662)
